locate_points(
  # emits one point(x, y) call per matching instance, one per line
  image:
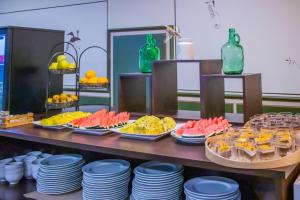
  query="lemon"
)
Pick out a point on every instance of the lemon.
point(60, 58)
point(74, 97)
point(84, 80)
point(55, 98)
point(50, 100)
point(93, 80)
point(69, 99)
point(102, 80)
point(90, 74)
point(63, 64)
point(72, 66)
point(63, 97)
point(53, 66)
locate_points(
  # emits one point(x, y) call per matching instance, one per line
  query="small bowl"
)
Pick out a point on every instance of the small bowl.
point(6, 161)
point(35, 167)
point(14, 176)
point(28, 166)
point(20, 158)
point(30, 159)
point(34, 153)
point(3, 162)
point(14, 172)
point(14, 166)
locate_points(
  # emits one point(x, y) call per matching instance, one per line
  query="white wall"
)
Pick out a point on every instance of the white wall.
point(89, 19)
point(140, 13)
point(269, 31)
point(13, 5)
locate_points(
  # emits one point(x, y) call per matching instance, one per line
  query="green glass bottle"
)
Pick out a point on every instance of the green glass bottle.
point(148, 54)
point(232, 54)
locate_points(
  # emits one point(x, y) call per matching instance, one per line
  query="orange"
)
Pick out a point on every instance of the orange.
point(92, 80)
point(90, 74)
point(84, 80)
point(102, 80)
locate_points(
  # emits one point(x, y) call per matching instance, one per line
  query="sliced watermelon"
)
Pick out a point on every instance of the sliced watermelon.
point(203, 127)
point(102, 119)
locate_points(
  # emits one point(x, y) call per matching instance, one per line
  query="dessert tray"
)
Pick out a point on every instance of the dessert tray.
point(10, 121)
point(264, 142)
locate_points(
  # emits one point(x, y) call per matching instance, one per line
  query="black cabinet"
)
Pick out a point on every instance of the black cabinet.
point(24, 54)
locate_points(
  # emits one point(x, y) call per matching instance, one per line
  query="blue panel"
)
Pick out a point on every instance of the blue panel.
point(2, 58)
point(126, 56)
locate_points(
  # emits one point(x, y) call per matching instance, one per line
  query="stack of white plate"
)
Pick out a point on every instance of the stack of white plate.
point(157, 180)
point(60, 174)
point(106, 180)
point(212, 188)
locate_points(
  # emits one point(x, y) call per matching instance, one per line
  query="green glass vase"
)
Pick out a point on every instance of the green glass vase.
point(148, 53)
point(232, 54)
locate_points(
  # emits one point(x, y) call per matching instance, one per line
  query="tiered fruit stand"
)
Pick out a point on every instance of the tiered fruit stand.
point(61, 72)
point(96, 86)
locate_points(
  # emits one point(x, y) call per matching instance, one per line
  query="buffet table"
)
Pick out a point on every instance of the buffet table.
point(281, 179)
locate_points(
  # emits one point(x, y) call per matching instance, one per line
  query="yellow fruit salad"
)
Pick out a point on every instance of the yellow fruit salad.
point(63, 119)
point(150, 125)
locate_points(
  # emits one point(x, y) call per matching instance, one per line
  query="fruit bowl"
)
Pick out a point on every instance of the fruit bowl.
point(63, 71)
point(62, 105)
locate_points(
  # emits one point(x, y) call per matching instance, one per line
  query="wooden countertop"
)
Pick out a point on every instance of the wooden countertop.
point(164, 150)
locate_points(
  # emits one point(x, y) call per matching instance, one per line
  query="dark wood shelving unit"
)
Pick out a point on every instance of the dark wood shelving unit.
point(164, 86)
point(213, 100)
point(157, 92)
point(135, 93)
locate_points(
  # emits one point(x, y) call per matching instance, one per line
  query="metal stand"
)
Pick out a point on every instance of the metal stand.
point(62, 72)
point(100, 88)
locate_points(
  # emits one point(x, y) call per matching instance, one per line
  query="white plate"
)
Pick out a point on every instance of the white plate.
point(200, 135)
point(57, 127)
point(117, 130)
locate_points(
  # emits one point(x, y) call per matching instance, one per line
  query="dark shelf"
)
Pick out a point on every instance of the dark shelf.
point(63, 71)
point(229, 76)
point(135, 74)
point(55, 106)
point(17, 192)
point(165, 90)
point(135, 92)
point(213, 97)
point(177, 61)
point(93, 86)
